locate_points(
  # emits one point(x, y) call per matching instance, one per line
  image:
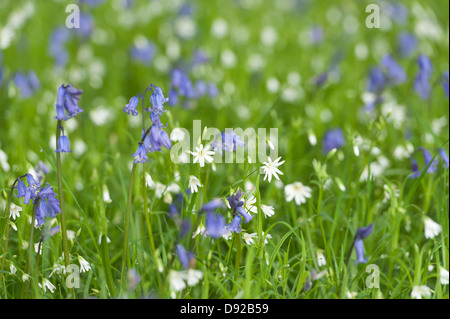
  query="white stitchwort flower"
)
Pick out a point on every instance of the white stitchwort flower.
point(15, 211)
point(200, 230)
point(159, 189)
point(248, 238)
point(421, 291)
point(321, 260)
point(298, 192)
point(47, 285)
point(177, 134)
point(84, 265)
point(270, 168)
point(202, 154)
point(443, 275)
point(149, 181)
point(432, 229)
point(194, 184)
point(267, 210)
point(176, 280)
point(249, 204)
point(193, 276)
point(13, 269)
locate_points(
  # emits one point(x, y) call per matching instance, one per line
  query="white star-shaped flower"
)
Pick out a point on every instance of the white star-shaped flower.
point(421, 291)
point(84, 265)
point(298, 192)
point(432, 229)
point(15, 211)
point(270, 168)
point(202, 154)
point(47, 285)
point(267, 210)
point(194, 184)
point(249, 238)
point(249, 204)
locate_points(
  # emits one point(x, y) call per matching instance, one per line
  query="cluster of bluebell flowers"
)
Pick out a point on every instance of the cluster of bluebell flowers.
point(43, 198)
point(66, 107)
point(154, 137)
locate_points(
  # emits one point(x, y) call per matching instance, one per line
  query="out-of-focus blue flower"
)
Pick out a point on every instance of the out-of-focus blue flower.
point(321, 79)
point(63, 145)
point(227, 141)
point(407, 43)
point(200, 57)
point(212, 205)
point(173, 211)
point(445, 82)
point(86, 25)
point(141, 155)
point(415, 169)
point(57, 49)
point(130, 108)
point(143, 53)
point(377, 80)
point(186, 257)
point(333, 139)
point(444, 157)
point(397, 12)
point(428, 158)
point(185, 227)
point(215, 224)
point(237, 205)
point(361, 233)
point(422, 81)
point(67, 101)
point(396, 74)
point(213, 91)
point(235, 225)
point(27, 83)
point(92, 3)
point(316, 34)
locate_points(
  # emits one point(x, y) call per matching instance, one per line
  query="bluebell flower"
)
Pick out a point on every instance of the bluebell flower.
point(396, 74)
point(445, 82)
point(212, 205)
point(397, 12)
point(227, 141)
point(21, 188)
point(147, 142)
point(321, 79)
point(377, 80)
point(186, 257)
point(41, 212)
point(422, 80)
point(67, 100)
point(361, 233)
point(157, 99)
point(141, 155)
point(86, 25)
point(237, 205)
point(92, 3)
point(316, 34)
point(235, 225)
point(31, 190)
point(47, 233)
point(63, 145)
point(201, 88)
point(200, 57)
point(428, 158)
point(213, 91)
point(27, 83)
point(185, 227)
point(415, 169)
point(143, 53)
point(130, 108)
point(173, 97)
point(173, 211)
point(333, 138)
point(407, 43)
point(215, 224)
point(444, 157)
point(58, 39)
